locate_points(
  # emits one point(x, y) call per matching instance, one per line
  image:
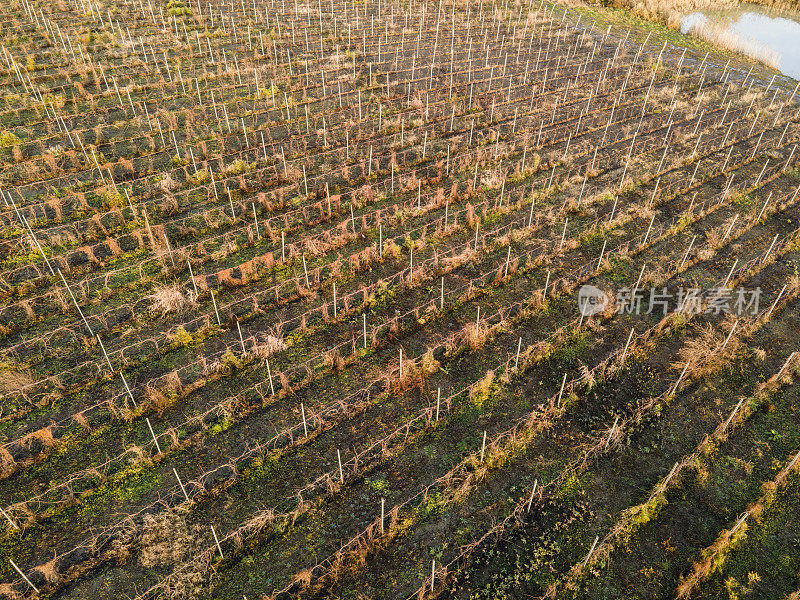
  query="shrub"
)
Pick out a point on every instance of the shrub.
point(112, 198)
point(391, 250)
point(178, 8)
point(237, 167)
point(480, 391)
point(183, 337)
point(231, 362)
point(8, 139)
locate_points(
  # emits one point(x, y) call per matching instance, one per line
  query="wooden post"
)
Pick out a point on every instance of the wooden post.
point(686, 254)
point(611, 431)
point(730, 333)
point(152, 433)
point(130, 204)
point(75, 302)
point(546, 283)
point(647, 234)
point(169, 249)
point(25, 577)
point(194, 283)
point(561, 392)
point(241, 339)
point(36, 241)
point(103, 348)
point(183, 489)
point(530, 216)
point(735, 262)
point(602, 251)
point(785, 365)
point(216, 539)
point(769, 250)
point(533, 491)
point(213, 185)
point(774, 304)
point(255, 220)
point(214, 302)
point(761, 214)
point(591, 550)
point(130, 394)
point(269, 376)
point(5, 514)
point(383, 511)
point(730, 228)
point(677, 383)
point(625, 350)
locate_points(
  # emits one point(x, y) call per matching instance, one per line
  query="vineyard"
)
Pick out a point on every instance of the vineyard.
point(292, 305)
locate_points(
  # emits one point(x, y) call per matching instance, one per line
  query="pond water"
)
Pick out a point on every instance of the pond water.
point(777, 32)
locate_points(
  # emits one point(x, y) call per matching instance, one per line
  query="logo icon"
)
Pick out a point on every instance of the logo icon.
point(591, 300)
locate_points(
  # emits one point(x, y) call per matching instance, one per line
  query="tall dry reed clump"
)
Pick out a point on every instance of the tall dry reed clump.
point(667, 12)
point(724, 38)
point(670, 12)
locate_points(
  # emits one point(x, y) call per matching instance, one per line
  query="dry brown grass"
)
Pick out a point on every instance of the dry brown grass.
point(416, 372)
point(492, 178)
point(453, 262)
point(268, 344)
point(161, 398)
point(391, 250)
point(171, 298)
point(167, 183)
point(80, 419)
point(13, 378)
point(48, 569)
point(167, 541)
point(7, 462)
point(473, 336)
point(43, 435)
point(704, 351)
